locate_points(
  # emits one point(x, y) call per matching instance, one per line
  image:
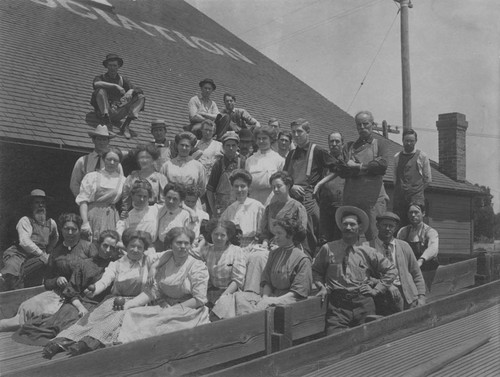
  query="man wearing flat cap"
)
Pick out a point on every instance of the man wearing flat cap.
point(159, 132)
point(408, 289)
point(92, 161)
point(115, 97)
point(247, 141)
point(201, 107)
point(37, 238)
point(219, 192)
point(345, 270)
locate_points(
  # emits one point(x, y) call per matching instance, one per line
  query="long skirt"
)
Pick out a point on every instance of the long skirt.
point(102, 217)
point(102, 324)
point(147, 321)
point(44, 304)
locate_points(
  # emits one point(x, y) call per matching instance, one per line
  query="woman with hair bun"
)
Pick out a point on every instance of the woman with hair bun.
point(179, 289)
point(128, 277)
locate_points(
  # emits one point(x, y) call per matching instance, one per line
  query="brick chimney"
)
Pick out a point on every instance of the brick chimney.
point(451, 128)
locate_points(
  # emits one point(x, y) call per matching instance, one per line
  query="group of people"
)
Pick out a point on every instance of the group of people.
point(228, 218)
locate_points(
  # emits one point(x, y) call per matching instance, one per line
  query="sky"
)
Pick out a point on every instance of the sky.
point(334, 46)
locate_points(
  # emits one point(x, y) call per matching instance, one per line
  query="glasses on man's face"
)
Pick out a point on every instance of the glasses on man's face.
point(115, 160)
point(109, 248)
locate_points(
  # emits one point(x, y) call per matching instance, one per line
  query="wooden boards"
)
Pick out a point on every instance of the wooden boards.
point(10, 300)
point(305, 358)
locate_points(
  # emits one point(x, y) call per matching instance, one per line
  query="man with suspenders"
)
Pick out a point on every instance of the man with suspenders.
point(219, 192)
point(92, 161)
point(307, 164)
point(366, 165)
point(115, 97)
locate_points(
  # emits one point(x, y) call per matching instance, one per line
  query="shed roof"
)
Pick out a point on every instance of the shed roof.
point(52, 49)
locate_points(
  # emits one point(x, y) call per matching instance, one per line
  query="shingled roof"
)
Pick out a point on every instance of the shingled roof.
point(52, 49)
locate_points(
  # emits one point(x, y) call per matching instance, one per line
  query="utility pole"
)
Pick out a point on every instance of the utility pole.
point(386, 129)
point(405, 63)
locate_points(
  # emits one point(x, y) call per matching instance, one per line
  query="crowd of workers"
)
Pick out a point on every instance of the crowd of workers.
point(230, 217)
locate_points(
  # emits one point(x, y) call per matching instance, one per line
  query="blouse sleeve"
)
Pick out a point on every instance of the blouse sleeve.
point(108, 277)
point(239, 267)
point(54, 236)
point(126, 198)
point(198, 276)
point(88, 188)
point(302, 215)
point(265, 231)
point(302, 282)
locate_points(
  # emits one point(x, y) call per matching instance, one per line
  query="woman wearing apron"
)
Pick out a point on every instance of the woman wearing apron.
point(99, 193)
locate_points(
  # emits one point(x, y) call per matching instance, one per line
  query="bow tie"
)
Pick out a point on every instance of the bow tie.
point(159, 144)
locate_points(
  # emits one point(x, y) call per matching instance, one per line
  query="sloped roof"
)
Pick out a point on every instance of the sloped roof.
point(52, 49)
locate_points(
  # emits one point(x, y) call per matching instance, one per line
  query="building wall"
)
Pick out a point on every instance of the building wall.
point(24, 168)
point(450, 214)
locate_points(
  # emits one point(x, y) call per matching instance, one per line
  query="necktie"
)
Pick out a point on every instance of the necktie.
point(345, 260)
point(388, 252)
point(98, 164)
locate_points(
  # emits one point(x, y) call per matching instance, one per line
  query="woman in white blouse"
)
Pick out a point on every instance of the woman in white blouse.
point(263, 164)
point(99, 193)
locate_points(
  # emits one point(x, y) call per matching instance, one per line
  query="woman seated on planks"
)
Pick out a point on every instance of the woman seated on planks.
point(287, 276)
point(177, 296)
point(80, 274)
point(129, 276)
point(57, 274)
point(226, 265)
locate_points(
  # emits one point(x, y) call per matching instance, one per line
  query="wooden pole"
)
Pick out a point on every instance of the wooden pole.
point(405, 64)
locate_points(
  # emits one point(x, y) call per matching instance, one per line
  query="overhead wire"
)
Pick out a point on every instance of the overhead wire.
point(373, 61)
point(317, 24)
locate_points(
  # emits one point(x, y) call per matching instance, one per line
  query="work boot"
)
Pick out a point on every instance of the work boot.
point(124, 129)
point(105, 121)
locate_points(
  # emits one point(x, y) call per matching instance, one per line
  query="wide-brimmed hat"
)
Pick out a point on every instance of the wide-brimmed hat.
point(389, 216)
point(230, 135)
point(111, 57)
point(246, 135)
point(37, 193)
point(101, 130)
point(208, 81)
point(362, 216)
point(158, 123)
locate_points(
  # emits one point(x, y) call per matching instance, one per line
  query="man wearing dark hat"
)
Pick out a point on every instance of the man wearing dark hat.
point(233, 118)
point(93, 161)
point(159, 132)
point(201, 107)
point(246, 142)
point(344, 271)
point(37, 237)
point(115, 97)
point(408, 289)
point(219, 192)
point(366, 164)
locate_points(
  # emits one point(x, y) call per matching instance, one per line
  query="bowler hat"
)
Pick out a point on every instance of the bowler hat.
point(246, 135)
point(158, 123)
point(111, 57)
point(389, 216)
point(348, 210)
point(101, 130)
point(208, 81)
point(230, 135)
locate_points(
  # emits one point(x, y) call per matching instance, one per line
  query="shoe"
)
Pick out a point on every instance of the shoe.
point(50, 350)
point(78, 348)
point(124, 129)
point(105, 121)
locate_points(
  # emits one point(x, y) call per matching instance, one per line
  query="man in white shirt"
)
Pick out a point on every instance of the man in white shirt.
point(92, 161)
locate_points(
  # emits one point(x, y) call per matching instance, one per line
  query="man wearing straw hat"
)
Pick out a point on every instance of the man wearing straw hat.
point(93, 161)
point(115, 97)
point(351, 274)
point(37, 237)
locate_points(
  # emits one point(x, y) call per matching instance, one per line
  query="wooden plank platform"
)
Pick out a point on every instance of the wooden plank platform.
point(399, 357)
point(312, 356)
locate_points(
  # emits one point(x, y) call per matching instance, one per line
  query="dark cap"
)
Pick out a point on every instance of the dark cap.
point(111, 57)
point(389, 216)
point(158, 123)
point(208, 81)
point(246, 135)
